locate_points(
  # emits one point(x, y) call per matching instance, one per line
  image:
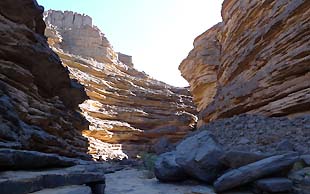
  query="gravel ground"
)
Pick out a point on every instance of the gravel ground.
point(262, 134)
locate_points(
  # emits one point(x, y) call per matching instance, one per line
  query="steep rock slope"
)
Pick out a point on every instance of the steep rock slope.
point(256, 61)
point(127, 109)
point(37, 97)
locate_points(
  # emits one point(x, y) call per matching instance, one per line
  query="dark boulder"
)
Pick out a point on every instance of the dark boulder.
point(301, 180)
point(254, 171)
point(306, 159)
point(274, 185)
point(200, 155)
point(236, 159)
point(166, 169)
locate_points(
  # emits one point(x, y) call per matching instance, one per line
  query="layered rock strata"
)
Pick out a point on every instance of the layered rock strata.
point(128, 110)
point(256, 61)
point(38, 100)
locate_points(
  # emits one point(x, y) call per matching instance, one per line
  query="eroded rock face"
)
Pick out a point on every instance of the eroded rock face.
point(37, 97)
point(256, 61)
point(128, 111)
point(79, 36)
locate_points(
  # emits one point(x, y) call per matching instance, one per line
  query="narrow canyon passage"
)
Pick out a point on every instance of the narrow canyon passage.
point(78, 117)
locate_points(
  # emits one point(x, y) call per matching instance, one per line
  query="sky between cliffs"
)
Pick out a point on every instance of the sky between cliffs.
point(159, 34)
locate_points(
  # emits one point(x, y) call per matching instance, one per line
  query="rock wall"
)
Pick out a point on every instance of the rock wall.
point(128, 111)
point(37, 98)
point(79, 36)
point(126, 59)
point(256, 61)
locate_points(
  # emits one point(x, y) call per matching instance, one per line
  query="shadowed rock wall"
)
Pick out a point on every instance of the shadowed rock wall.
point(37, 97)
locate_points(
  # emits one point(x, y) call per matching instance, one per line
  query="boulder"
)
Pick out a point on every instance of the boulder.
point(254, 171)
point(274, 185)
point(306, 159)
point(301, 180)
point(236, 159)
point(200, 155)
point(20, 182)
point(166, 168)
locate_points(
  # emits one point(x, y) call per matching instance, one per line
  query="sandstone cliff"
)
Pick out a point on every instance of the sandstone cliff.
point(37, 97)
point(128, 111)
point(256, 61)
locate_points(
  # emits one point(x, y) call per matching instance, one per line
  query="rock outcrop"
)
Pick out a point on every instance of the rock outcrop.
point(126, 59)
point(128, 110)
point(256, 61)
point(38, 100)
point(79, 36)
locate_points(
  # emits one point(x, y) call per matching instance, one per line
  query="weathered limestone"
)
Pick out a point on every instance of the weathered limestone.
point(37, 97)
point(126, 59)
point(127, 109)
point(79, 36)
point(256, 61)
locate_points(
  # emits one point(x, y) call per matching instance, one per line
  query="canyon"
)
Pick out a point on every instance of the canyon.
point(68, 100)
point(126, 109)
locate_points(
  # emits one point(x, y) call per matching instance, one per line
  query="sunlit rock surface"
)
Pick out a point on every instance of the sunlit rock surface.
point(128, 110)
point(256, 61)
point(37, 98)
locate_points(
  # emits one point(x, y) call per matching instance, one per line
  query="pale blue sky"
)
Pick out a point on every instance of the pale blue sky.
point(158, 33)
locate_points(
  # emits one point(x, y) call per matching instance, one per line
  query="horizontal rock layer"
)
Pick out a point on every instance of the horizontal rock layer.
point(256, 61)
point(127, 108)
point(21, 182)
point(37, 97)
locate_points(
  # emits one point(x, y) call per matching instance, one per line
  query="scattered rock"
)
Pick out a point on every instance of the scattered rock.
point(274, 185)
point(301, 180)
point(74, 189)
point(275, 129)
point(236, 159)
point(254, 171)
point(166, 169)
point(306, 159)
point(200, 156)
point(285, 145)
point(244, 140)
